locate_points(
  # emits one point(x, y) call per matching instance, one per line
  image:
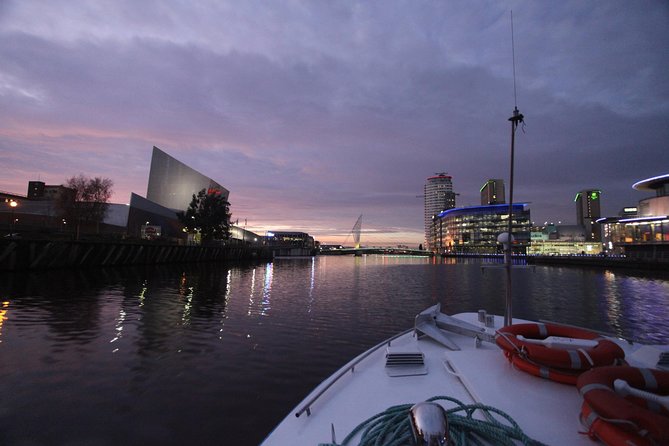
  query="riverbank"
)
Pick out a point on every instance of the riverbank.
point(600, 261)
point(18, 255)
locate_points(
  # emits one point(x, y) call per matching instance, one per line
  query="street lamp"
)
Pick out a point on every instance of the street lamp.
point(12, 205)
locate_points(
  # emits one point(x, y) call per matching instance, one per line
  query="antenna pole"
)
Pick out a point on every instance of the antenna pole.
point(513, 60)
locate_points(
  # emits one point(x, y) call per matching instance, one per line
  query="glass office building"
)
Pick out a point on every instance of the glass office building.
point(474, 230)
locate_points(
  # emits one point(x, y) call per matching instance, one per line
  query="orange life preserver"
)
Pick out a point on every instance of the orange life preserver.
point(557, 375)
point(608, 433)
point(633, 416)
point(606, 352)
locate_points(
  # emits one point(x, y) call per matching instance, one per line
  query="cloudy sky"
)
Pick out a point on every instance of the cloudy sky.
point(314, 112)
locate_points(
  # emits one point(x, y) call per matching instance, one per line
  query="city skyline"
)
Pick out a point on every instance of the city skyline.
point(311, 114)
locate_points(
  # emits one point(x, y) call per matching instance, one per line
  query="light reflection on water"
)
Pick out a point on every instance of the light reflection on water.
point(199, 354)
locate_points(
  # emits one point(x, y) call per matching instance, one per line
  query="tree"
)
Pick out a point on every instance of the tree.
point(88, 200)
point(208, 214)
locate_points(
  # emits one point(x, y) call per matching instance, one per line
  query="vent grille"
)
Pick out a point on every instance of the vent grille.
point(405, 363)
point(403, 359)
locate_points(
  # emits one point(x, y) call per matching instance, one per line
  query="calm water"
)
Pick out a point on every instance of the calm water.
point(216, 354)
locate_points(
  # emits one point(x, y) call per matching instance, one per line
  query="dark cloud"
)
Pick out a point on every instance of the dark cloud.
point(314, 113)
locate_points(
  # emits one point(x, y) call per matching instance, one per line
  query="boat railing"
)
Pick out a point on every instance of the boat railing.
point(349, 368)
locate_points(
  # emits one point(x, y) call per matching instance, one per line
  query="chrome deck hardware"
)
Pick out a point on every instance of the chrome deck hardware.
point(429, 424)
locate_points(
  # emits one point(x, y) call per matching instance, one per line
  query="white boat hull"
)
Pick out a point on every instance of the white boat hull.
point(545, 410)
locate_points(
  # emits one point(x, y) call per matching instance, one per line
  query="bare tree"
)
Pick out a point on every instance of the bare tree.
point(88, 201)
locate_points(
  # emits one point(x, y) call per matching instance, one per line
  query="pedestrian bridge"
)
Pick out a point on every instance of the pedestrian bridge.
point(376, 250)
point(359, 250)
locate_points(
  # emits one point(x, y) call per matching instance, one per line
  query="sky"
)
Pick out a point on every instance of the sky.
point(314, 112)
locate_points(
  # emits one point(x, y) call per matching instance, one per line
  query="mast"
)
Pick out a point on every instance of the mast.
point(516, 119)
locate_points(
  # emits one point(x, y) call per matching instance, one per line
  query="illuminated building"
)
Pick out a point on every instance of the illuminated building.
point(643, 236)
point(284, 243)
point(439, 196)
point(659, 204)
point(492, 192)
point(474, 229)
point(588, 211)
point(562, 240)
point(172, 183)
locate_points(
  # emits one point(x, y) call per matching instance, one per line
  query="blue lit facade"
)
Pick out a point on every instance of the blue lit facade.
point(474, 229)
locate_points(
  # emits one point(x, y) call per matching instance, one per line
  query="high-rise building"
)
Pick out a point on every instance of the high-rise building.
point(588, 211)
point(492, 192)
point(172, 183)
point(439, 196)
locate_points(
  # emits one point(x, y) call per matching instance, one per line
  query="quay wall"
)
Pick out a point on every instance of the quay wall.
point(18, 255)
point(636, 262)
point(600, 261)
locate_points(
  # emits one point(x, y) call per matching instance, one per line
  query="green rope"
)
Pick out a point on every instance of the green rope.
point(392, 427)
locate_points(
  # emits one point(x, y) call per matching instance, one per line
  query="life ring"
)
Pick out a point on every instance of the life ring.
point(632, 415)
point(608, 433)
point(557, 375)
point(604, 352)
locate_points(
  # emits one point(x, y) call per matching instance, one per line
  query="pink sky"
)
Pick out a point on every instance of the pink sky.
point(312, 113)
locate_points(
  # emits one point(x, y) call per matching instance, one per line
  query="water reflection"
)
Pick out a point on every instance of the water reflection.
point(252, 294)
point(226, 299)
point(312, 282)
point(267, 290)
point(119, 328)
point(4, 308)
point(611, 295)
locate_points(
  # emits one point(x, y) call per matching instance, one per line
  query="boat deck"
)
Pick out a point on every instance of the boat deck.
point(546, 411)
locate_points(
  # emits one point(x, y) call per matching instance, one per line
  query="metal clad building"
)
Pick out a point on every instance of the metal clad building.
point(172, 183)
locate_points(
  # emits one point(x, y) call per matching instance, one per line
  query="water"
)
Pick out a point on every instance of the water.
point(217, 354)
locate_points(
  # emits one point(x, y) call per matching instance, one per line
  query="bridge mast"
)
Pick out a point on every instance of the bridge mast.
point(356, 232)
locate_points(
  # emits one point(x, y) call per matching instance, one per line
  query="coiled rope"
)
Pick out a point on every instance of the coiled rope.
point(392, 427)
